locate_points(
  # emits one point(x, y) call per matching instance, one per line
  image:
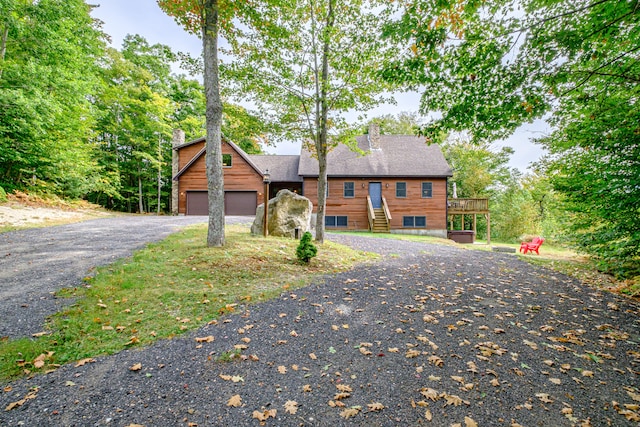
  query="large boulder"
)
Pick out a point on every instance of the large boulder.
point(287, 211)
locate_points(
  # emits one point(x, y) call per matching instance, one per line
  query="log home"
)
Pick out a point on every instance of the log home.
point(395, 184)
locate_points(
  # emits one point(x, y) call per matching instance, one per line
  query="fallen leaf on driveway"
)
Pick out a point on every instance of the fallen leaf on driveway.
point(235, 401)
point(436, 361)
point(291, 406)
point(350, 412)
point(136, 367)
point(544, 397)
point(430, 393)
point(83, 362)
point(264, 415)
point(469, 422)
point(29, 396)
point(375, 406)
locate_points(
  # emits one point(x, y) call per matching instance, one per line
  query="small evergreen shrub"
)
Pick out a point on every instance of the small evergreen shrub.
point(306, 249)
point(3, 195)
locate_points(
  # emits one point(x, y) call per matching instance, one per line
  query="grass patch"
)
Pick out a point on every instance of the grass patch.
point(573, 264)
point(394, 236)
point(167, 289)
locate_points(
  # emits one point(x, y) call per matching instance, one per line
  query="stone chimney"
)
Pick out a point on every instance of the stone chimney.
point(178, 139)
point(374, 136)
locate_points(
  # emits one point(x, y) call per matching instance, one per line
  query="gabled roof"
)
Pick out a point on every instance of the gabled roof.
point(281, 168)
point(200, 153)
point(398, 156)
point(188, 143)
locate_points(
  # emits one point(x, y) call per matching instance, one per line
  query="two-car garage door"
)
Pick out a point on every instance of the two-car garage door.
point(235, 203)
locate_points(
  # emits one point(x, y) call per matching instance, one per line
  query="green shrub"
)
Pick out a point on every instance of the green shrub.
point(3, 195)
point(306, 249)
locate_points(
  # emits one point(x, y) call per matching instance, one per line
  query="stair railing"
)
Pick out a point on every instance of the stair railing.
point(370, 213)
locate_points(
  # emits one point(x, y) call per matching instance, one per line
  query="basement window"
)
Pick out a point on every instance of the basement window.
point(414, 221)
point(335, 221)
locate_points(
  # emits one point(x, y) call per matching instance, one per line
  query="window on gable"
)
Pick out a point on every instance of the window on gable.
point(349, 189)
point(414, 221)
point(401, 189)
point(335, 221)
point(226, 160)
point(427, 190)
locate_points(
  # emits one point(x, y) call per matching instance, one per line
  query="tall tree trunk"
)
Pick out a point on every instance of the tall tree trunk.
point(140, 201)
point(215, 179)
point(159, 173)
point(321, 142)
point(3, 45)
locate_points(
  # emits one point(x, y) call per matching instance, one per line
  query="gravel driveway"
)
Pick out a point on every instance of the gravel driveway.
point(431, 335)
point(34, 263)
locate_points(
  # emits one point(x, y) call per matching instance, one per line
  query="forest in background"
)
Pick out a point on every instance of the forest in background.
point(79, 119)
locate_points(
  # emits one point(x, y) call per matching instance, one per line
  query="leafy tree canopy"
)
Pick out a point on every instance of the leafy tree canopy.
point(488, 66)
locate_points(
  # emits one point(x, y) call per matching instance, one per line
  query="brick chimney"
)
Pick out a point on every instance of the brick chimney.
point(374, 136)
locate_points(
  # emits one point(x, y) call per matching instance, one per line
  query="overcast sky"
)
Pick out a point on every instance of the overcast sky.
point(144, 17)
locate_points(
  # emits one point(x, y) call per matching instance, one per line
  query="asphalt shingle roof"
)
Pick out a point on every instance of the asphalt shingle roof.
point(281, 168)
point(399, 155)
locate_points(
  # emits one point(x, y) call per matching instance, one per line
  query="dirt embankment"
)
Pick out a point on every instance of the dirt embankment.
point(22, 210)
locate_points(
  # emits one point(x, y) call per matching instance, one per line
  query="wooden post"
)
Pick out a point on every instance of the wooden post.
point(265, 221)
point(488, 216)
point(474, 223)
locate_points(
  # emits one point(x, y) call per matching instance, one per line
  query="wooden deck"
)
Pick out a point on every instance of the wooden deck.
point(470, 207)
point(467, 206)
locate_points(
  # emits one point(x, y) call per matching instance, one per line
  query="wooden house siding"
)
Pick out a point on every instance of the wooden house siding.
point(194, 178)
point(239, 177)
point(433, 208)
point(386, 165)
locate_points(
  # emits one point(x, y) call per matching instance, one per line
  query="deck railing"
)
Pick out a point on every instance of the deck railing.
point(461, 206)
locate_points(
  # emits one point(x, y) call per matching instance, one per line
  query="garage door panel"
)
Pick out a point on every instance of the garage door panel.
point(197, 203)
point(240, 202)
point(235, 203)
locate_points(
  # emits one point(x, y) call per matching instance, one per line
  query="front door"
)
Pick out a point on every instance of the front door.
point(375, 192)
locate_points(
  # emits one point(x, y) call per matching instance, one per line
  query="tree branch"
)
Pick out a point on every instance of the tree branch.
point(592, 72)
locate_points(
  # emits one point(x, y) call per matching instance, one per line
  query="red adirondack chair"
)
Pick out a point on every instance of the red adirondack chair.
point(532, 246)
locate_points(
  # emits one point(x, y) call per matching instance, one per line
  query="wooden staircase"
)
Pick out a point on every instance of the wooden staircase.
point(380, 223)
